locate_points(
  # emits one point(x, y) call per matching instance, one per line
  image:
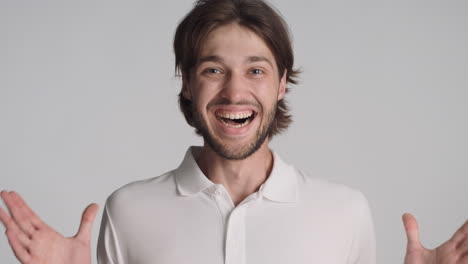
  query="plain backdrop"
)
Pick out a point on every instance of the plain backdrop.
point(88, 103)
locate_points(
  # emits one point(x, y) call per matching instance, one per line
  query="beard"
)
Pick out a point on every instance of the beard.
point(239, 152)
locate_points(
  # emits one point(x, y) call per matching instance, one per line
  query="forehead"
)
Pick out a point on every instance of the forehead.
point(235, 42)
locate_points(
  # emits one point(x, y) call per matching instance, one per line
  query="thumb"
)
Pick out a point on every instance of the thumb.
point(87, 219)
point(412, 231)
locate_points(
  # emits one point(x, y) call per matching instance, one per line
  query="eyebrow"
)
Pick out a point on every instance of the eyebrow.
point(250, 59)
point(212, 58)
point(259, 58)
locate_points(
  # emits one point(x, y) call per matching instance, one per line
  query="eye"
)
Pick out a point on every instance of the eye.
point(213, 71)
point(256, 71)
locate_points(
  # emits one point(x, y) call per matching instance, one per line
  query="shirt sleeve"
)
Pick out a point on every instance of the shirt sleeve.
point(363, 248)
point(108, 248)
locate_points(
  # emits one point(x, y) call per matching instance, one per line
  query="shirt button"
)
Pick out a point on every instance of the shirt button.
point(217, 192)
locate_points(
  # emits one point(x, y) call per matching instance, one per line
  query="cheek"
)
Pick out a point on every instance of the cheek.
point(203, 94)
point(267, 92)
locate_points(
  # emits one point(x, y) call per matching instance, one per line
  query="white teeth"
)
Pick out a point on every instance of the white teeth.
point(234, 115)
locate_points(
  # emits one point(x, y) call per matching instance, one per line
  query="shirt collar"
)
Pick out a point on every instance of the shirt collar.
point(281, 185)
point(190, 180)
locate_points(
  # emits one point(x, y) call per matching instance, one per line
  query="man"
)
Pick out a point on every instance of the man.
point(232, 200)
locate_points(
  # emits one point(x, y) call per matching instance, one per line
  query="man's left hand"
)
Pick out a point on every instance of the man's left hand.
point(454, 251)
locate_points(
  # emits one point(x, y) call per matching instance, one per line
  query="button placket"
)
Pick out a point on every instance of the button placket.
point(234, 221)
point(235, 237)
point(224, 204)
point(217, 192)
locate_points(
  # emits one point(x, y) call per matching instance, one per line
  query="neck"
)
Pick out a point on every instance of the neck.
point(239, 177)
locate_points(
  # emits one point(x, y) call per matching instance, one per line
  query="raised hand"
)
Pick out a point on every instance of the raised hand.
point(34, 242)
point(454, 251)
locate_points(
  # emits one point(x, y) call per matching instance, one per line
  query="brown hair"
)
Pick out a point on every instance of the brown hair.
point(257, 16)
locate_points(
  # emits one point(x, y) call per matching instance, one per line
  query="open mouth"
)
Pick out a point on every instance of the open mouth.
point(235, 120)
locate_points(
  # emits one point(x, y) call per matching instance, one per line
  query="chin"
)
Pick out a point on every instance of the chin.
point(235, 151)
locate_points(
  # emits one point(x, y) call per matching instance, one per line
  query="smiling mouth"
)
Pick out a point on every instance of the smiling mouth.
point(235, 120)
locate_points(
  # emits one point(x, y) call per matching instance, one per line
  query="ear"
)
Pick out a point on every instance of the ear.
point(186, 93)
point(282, 86)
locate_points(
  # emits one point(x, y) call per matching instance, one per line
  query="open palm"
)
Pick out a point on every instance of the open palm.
point(33, 241)
point(454, 251)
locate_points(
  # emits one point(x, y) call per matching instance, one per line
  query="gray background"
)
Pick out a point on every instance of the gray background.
point(88, 104)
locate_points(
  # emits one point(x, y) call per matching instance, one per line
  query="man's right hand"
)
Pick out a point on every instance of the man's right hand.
point(34, 242)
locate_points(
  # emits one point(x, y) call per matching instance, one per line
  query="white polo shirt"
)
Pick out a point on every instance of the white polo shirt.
point(181, 217)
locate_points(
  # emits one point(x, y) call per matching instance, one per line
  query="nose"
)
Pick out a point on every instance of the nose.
point(235, 88)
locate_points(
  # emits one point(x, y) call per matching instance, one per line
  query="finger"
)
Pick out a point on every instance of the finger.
point(462, 248)
point(18, 213)
point(20, 251)
point(26, 210)
point(5, 219)
point(412, 231)
point(461, 234)
point(11, 225)
point(87, 219)
point(464, 259)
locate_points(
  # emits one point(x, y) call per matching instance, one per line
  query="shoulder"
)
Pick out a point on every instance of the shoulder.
point(331, 194)
point(143, 190)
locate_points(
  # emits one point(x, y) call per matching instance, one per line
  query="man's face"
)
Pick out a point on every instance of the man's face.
point(234, 89)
